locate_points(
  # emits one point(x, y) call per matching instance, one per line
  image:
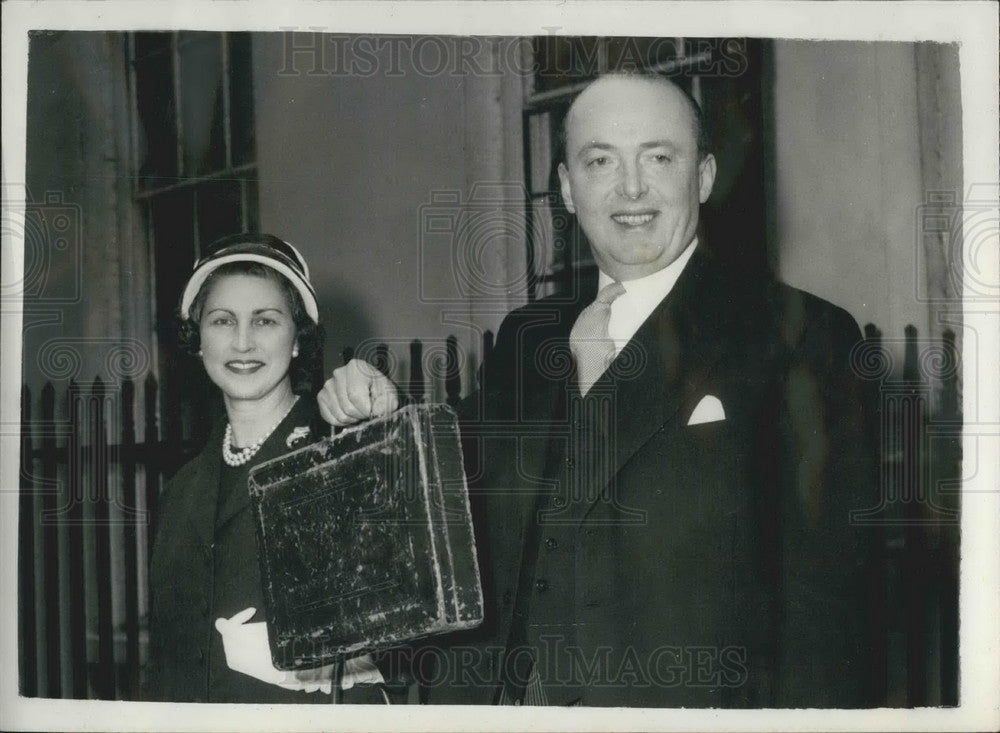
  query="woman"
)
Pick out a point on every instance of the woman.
point(249, 313)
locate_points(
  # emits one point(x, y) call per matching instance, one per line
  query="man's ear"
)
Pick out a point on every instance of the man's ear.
point(567, 191)
point(706, 177)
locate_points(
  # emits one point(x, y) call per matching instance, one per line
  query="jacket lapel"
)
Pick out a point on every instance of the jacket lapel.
point(202, 493)
point(663, 369)
point(275, 446)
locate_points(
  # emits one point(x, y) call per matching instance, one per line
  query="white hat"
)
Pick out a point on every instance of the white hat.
point(263, 248)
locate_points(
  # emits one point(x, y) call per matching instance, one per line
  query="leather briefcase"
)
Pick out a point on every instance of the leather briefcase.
point(365, 539)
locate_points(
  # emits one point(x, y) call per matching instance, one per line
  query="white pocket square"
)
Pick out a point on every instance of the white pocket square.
point(708, 410)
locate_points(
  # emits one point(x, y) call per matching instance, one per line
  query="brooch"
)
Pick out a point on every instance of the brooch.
point(297, 436)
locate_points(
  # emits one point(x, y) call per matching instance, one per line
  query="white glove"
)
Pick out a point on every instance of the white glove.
point(360, 671)
point(248, 652)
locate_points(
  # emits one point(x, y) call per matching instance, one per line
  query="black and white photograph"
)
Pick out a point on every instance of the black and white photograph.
point(500, 366)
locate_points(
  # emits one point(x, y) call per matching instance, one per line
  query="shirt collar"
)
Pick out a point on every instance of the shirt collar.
point(656, 286)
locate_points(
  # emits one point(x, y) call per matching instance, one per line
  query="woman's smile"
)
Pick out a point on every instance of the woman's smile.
point(244, 367)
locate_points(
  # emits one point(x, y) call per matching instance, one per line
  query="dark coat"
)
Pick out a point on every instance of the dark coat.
point(636, 560)
point(203, 568)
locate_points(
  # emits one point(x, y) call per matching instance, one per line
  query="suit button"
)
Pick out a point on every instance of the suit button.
point(207, 552)
point(542, 585)
point(204, 608)
point(551, 543)
point(507, 598)
point(201, 656)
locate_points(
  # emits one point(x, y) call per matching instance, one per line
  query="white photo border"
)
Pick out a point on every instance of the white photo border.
point(971, 24)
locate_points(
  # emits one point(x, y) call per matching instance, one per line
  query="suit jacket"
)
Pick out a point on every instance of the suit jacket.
point(204, 566)
point(633, 559)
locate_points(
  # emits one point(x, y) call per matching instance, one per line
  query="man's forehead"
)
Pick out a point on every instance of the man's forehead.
point(627, 106)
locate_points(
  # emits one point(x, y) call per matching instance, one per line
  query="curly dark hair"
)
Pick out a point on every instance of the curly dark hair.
point(306, 369)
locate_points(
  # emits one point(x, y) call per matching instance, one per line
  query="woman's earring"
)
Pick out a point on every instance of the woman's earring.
point(199, 353)
point(295, 351)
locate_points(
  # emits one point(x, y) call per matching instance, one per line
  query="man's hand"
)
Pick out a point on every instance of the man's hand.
point(357, 391)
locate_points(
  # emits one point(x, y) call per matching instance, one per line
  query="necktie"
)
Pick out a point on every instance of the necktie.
point(589, 341)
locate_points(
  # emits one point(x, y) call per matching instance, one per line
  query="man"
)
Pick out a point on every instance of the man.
point(666, 462)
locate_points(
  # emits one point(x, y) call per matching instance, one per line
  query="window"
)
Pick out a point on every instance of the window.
point(194, 179)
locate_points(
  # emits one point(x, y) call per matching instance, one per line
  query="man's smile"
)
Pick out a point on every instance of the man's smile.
point(636, 219)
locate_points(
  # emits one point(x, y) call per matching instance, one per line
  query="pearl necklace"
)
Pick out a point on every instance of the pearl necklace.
point(234, 457)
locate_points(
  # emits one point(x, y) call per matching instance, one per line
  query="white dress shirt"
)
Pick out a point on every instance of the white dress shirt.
point(641, 297)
